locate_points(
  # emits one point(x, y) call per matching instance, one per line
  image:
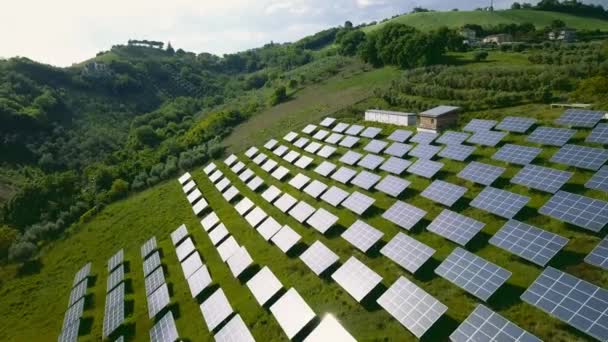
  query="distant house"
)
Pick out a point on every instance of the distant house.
point(498, 39)
point(390, 117)
point(95, 69)
point(438, 118)
point(565, 35)
point(468, 34)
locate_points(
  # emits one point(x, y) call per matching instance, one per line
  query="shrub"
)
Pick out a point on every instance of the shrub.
point(119, 189)
point(479, 56)
point(22, 251)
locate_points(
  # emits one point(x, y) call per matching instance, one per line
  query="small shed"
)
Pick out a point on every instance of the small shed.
point(438, 118)
point(390, 117)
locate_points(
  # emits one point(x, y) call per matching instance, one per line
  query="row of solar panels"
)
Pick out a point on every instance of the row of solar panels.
point(114, 313)
point(71, 320)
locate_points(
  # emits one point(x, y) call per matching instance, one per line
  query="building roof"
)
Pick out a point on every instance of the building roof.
point(390, 112)
point(439, 111)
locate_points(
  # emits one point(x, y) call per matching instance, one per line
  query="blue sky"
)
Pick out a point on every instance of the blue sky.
point(62, 32)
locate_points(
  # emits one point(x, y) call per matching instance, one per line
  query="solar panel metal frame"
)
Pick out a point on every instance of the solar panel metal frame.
point(216, 309)
point(285, 202)
point(371, 132)
point(355, 129)
point(350, 157)
point(407, 252)
point(343, 175)
point(349, 141)
point(457, 152)
point(444, 192)
point(322, 220)
point(400, 135)
point(356, 278)
point(425, 168)
point(404, 215)
point(303, 162)
point(599, 255)
point(164, 330)
point(392, 186)
point(487, 138)
point(301, 211)
point(516, 124)
point(365, 179)
point(271, 193)
point(285, 238)
point(582, 211)
point(517, 154)
point(315, 188)
point(481, 173)
point(424, 137)
point(375, 146)
point(292, 313)
point(599, 134)
point(500, 202)
point(334, 196)
point(362, 235)
point(158, 300)
point(319, 257)
point(397, 149)
point(599, 181)
point(551, 136)
point(325, 168)
point(583, 157)
point(395, 165)
point(452, 138)
point(455, 227)
point(476, 125)
point(580, 117)
point(358, 203)
point(542, 178)
point(264, 285)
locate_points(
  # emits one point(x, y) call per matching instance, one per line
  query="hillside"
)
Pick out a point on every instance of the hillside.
point(456, 19)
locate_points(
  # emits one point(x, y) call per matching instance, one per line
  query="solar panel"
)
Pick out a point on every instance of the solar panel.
point(444, 192)
point(322, 220)
point(313, 147)
point(424, 137)
point(260, 158)
point(327, 122)
point(358, 203)
point(325, 168)
point(484, 324)
point(191, 264)
point(195, 195)
point(452, 138)
point(356, 278)
point(551, 136)
point(234, 331)
point(318, 257)
point(184, 249)
point(473, 274)
point(599, 255)
point(231, 160)
point(517, 154)
point(334, 196)
point(239, 261)
point(580, 118)
point(329, 330)
point(221, 185)
point(216, 309)
point(423, 151)
point(531, 243)
point(270, 144)
point(285, 239)
point(500, 202)
point(350, 157)
point(158, 300)
point(354, 129)
point(585, 212)
point(232, 192)
point(74, 313)
point(269, 165)
point(251, 152)
point(164, 330)
point(599, 181)
point(365, 180)
point(292, 313)
point(397, 149)
point(581, 156)
point(340, 127)
point(481, 173)
point(291, 156)
point(271, 193)
point(516, 124)
point(209, 168)
point(400, 135)
point(599, 134)
point(264, 285)
point(256, 216)
point(407, 252)
point(78, 291)
point(148, 247)
point(246, 175)
point(301, 211)
point(371, 132)
point(291, 136)
point(404, 215)
point(370, 161)
point(184, 178)
point(457, 152)
point(285, 202)
point(425, 168)
point(82, 274)
point(415, 309)
point(191, 184)
point(375, 146)
point(269, 227)
point(326, 151)
point(315, 188)
point(320, 135)
point(542, 178)
point(254, 184)
point(116, 296)
point(210, 221)
point(199, 280)
point(238, 167)
point(227, 248)
point(395, 165)
point(309, 129)
point(349, 141)
point(455, 227)
point(179, 234)
point(299, 181)
point(343, 175)
point(154, 280)
point(116, 260)
point(362, 235)
point(392, 186)
point(301, 142)
point(487, 138)
point(477, 125)
point(334, 138)
point(572, 300)
point(151, 263)
point(243, 206)
point(303, 162)
point(113, 318)
point(70, 333)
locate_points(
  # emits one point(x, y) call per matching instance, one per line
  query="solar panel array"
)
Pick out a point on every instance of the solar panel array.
point(349, 141)
point(375, 146)
point(395, 165)
point(400, 135)
point(362, 235)
point(599, 134)
point(292, 313)
point(455, 227)
point(340, 127)
point(354, 129)
point(457, 152)
point(392, 186)
point(479, 125)
point(599, 255)
point(599, 181)
point(423, 151)
point(343, 175)
point(584, 157)
point(322, 220)
point(356, 278)
point(334, 138)
point(397, 149)
point(315, 188)
point(580, 118)
point(481, 173)
point(365, 180)
point(318, 257)
point(164, 330)
point(487, 138)
point(425, 168)
point(235, 330)
point(551, 136)
point(542, 178)
point(404, 215)
point(325, 168)
point(370, 161)
point(216, 309)
point(371, 132)
point(500, 202)
point(585, 212)
point(516, 124)
point(407, 252)
point(424, 137)
point(452, 138)
point(444, 192)
point(517, 154)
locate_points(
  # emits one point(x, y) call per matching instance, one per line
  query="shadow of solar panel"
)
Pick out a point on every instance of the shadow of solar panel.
point(321, 134)
point(113, 318)
point(411, 306)
point(585, 212)
point(291, 136)
point(349, 141)
point(404, 215)
point(581, 156)
point(301, 142)
point(318, 257)
point(473, 274)
point(270, 144)
point(356, 278)
point(299, 181)
point(343, 175)
point(362, 235)
point(285, 239)
point(599, 181)
point(397, 149)
point(572, 300)
point(455, 227)
point(322, 220)
point(355, 129)
point(313, 147)
point(444, 192)
point(481, 173)
point(370, 161)
point(478, 125)
point(199, 280)
point(216, 309)
point(425, 168)
point(371, 132)
point(209, 168)
point(392, 186)
point(309, 129)
point(407, 252)
point(516, 124)
point(164, 330)
point(326, 151)
point(500, 202)
point(580, 118)
point(599, 255)
point(452, 138)
point(517, 154)
point(424, 137)
point(260, 158)
point(599, 134)
point(487, 138)
point(400, 135)
point(358, 202)
point(528, 242)
point(423, 151)
point(395, 165)
point(315, 188)
point(365, 180)
point(541, 178)
point(303, 162)
point(457, 152)
point(328, 121)
point(334, 138)
point(551, 136)
point(484, 324)
point(158, 300)
point(301, 211)
point(334, 196)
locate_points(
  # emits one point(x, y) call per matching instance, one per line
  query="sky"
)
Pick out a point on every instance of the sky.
point(62, 32)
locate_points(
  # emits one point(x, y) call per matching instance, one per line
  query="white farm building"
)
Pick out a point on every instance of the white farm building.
point(390, 117)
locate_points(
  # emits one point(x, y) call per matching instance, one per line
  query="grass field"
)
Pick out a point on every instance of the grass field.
point(540, 19)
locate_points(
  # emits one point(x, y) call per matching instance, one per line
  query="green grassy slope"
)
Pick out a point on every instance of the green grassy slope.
point(434, 20)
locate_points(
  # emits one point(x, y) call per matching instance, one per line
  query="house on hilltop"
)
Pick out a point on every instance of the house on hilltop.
point(498, 39)
point(565, 35)
point(438, 118)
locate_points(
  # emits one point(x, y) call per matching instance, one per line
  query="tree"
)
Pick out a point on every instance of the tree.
point(7, 237)
point(279, 95)
point(516, 6)
point(479, 56)
point(119, 189)
point(146, 135)
point(22, 251)
point(351, 43)
point(557, 24)
point(293, 83)
point(170, 49)
point(348, 25)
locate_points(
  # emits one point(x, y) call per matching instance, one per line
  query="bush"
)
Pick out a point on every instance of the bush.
point(7, 237)
point(279, 95)
point(479, 56)
point(119, 189)
point(22, 251)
